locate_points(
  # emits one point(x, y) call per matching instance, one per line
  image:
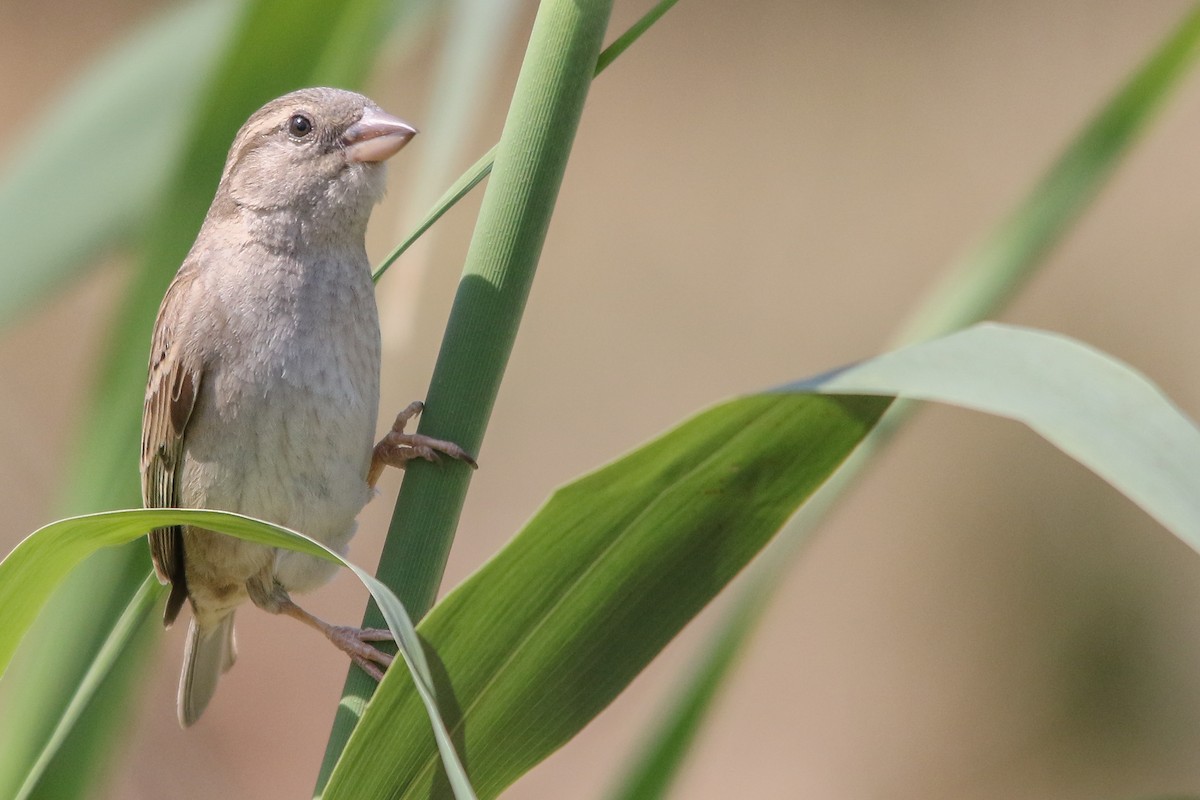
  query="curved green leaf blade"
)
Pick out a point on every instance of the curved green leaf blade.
point(36, 566)
point(545, 635)
point(1102, 413)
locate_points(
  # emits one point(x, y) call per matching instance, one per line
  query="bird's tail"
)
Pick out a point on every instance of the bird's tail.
point(208, 654)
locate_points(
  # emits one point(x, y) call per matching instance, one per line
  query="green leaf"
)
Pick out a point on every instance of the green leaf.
point(1102, 413)
point(635, 32)
point(541, 639)
point(546, 634)
point(65, 196)
point(35, 568)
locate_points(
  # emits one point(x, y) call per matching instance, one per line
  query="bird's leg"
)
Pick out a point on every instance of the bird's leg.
point(354, 642)
point(397, 448)
point(268, 595)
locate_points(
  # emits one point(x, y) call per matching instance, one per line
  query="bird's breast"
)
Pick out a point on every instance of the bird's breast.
point(285, 422)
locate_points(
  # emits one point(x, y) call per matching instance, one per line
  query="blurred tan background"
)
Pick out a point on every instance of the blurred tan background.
point(760, 191)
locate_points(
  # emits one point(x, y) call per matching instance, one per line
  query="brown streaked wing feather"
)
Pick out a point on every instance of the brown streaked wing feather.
point(171, 392)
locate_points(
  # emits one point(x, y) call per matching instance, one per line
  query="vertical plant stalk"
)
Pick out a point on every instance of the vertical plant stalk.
point(530, 161)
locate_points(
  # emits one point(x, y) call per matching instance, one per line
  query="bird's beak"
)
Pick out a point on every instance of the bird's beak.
point(376, 137)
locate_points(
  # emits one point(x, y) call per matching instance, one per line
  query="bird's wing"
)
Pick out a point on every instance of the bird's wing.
point(171, 392)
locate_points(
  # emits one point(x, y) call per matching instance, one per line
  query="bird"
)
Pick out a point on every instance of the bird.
point(262, 393)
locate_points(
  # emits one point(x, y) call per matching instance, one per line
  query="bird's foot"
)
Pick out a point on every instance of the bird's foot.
point(355, 642)
point(398, 448)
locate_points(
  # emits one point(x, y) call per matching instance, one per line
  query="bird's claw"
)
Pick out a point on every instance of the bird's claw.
point(398, 448)
point(355, 643)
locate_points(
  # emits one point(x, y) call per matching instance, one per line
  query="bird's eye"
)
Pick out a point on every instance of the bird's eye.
point(300, 126)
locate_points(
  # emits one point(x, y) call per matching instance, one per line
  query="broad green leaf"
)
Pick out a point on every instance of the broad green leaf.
point(542, 638)
point(87, 172)
point(546, 634)
point(36, 566)
point(1102, 413)
point(975, 287)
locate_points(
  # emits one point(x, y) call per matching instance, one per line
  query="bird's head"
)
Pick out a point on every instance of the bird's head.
point(314, 154)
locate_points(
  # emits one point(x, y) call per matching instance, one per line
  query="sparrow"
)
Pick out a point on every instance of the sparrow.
point(263, 388)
